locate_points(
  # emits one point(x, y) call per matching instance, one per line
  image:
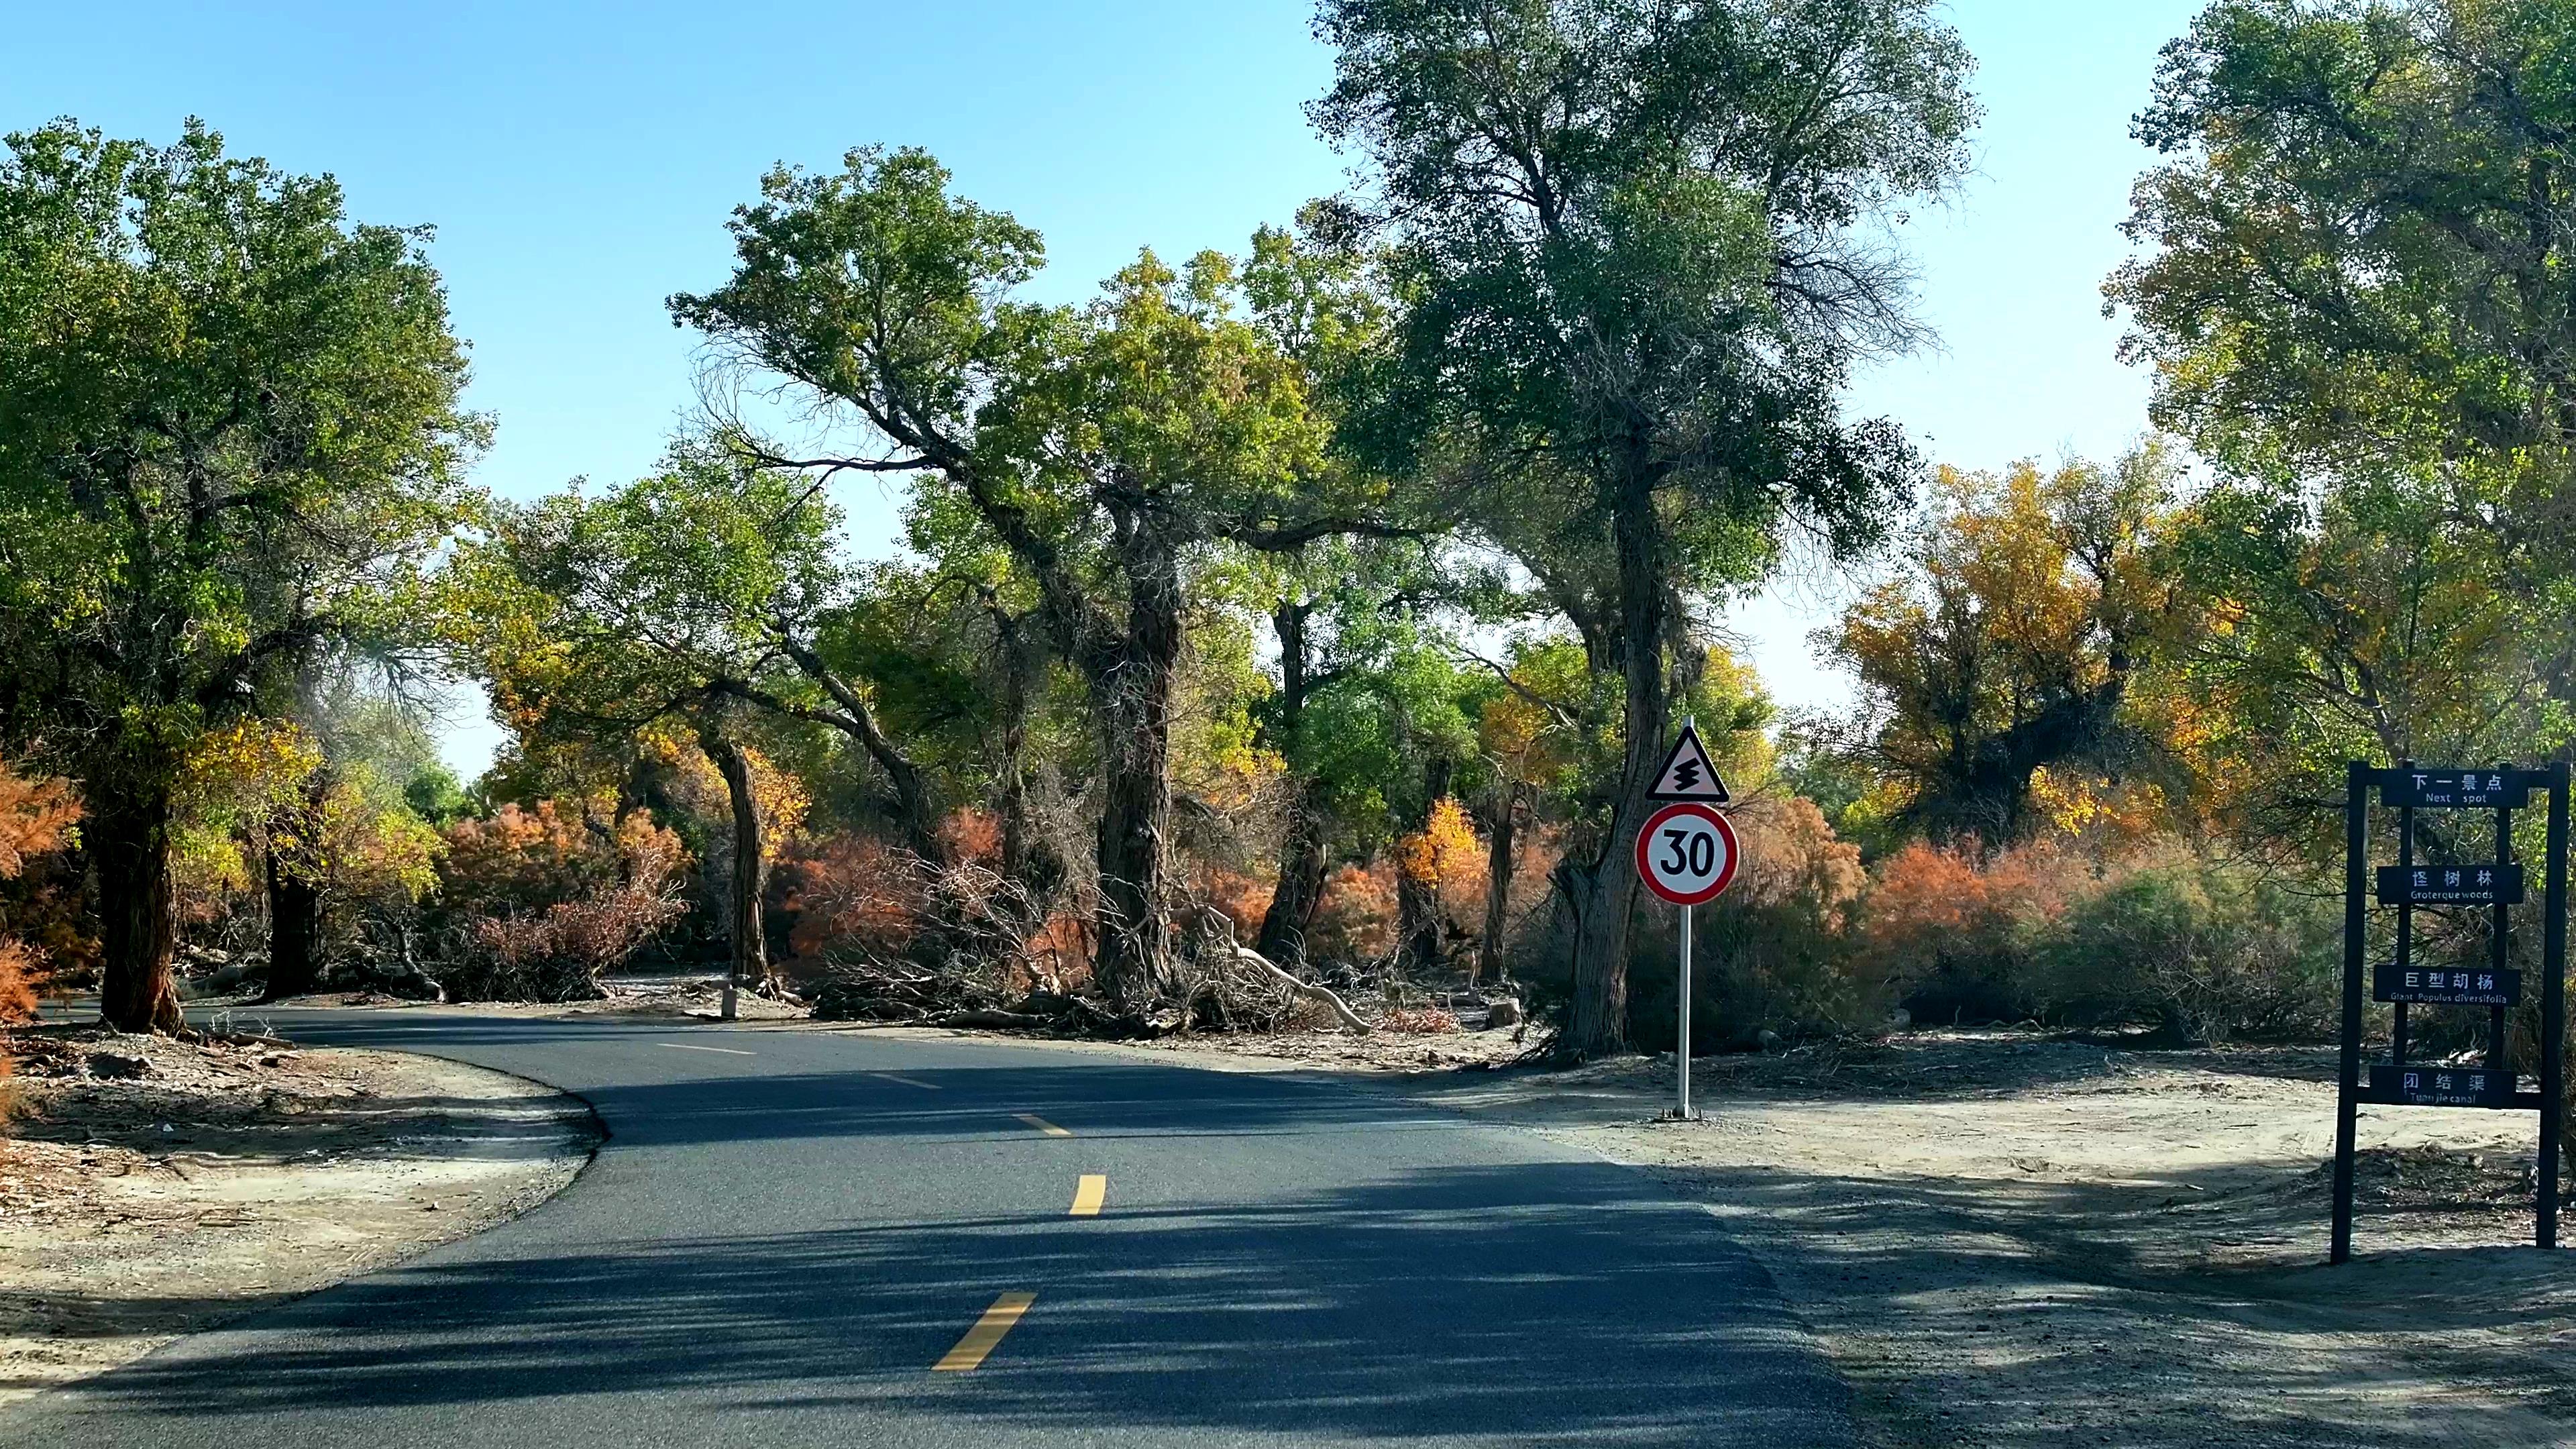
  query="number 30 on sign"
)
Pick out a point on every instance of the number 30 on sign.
point(1687, 854)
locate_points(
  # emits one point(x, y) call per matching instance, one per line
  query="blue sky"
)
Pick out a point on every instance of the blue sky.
point(578, 161)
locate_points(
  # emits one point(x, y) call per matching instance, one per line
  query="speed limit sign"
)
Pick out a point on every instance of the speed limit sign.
point(1687, 853)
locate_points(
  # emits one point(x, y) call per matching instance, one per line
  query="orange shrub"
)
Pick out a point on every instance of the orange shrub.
point(1242, 899)
point(1356, 920)
point(1954, 934)
point(35, 816)
point(851, 892)
point(539, 902)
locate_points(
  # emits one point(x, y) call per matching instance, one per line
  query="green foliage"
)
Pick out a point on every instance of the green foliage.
point(2360, 239)
point(598, 616)
point(2201, 950)
point(228, 433)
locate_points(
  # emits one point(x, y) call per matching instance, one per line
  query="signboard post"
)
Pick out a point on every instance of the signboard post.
point(1687, 854)
point(2494, 886)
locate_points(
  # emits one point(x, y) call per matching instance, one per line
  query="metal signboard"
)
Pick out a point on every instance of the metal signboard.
point(2501, 788)
point(2450, 885)
point(1687, 773)
point(2417, 1086)
point(2417, 986)
point(1687, 854)
point(2408, 984)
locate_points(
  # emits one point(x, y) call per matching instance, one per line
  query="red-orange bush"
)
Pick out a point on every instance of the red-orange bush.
point(1242, 899)
point(1356, 920)
point(851, 892)
point(539, 902)
point(1954, 934)
point(35, 818)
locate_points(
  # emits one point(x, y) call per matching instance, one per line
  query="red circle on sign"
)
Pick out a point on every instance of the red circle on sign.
point(1669, 866)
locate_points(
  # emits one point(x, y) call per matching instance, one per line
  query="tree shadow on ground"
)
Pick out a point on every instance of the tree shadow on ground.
point(2077, 1313)
point(1562, 1303)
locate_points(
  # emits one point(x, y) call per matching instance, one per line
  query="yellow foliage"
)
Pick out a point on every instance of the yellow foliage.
point(777, 794)
point(2089, 805)
point(1446, 851)
point(247, 766)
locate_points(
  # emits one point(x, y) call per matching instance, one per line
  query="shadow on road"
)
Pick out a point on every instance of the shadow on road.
point(1565, 1302)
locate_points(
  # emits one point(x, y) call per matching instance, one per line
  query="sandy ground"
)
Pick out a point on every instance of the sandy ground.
point(140, 1203)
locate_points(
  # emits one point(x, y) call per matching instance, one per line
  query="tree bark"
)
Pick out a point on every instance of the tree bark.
point(750, 878)
point(1132, 693)
point(129, 841)
point(1604, 895)
point(1498, 883)
point(294, 931)
point(1304, 853)
point(1028, 860)
point(1304, 858)
point(295, 902)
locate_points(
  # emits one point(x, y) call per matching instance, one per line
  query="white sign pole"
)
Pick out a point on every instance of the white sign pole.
point(1681, 1058)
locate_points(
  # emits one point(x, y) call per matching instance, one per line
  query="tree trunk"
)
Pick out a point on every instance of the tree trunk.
point(750, 879)
point(1498, 884)
point(294, 931)
point(1132, 692)
point(1604, 895)
point(1417, 898)
point(1029, 861)
point(1304, 857)
point(129, 841)
point(295, 900)
point(1303, 854)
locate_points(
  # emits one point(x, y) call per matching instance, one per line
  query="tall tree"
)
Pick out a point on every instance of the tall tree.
point(229, 432)
point(1109, 449)
point(2362, 275)
point(688, 596)
point(1633, 238)
point(2034, 602)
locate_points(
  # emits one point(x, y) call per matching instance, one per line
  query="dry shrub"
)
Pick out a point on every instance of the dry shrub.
point(1060, 953)
point(1418, 1020)
point(1356, 920)
point(1953, 935)
point(886, 935)
point(540, 902)
point(851, 894)
point(972, 835)
point(36, 815)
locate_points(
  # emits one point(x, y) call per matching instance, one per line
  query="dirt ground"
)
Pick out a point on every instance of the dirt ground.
point(152, 1187)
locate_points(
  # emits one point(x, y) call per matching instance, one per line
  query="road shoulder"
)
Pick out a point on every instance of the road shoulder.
point(151, 1188)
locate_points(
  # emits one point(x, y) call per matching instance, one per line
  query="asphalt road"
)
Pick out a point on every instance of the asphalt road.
point(788, 1231)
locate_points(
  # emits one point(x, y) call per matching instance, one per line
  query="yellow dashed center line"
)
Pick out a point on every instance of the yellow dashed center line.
point(1042, 1124)
point(981, 1340)
point(1088, 1193)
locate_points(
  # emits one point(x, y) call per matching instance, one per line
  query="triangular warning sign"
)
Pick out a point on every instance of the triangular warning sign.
point(1688, 773)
